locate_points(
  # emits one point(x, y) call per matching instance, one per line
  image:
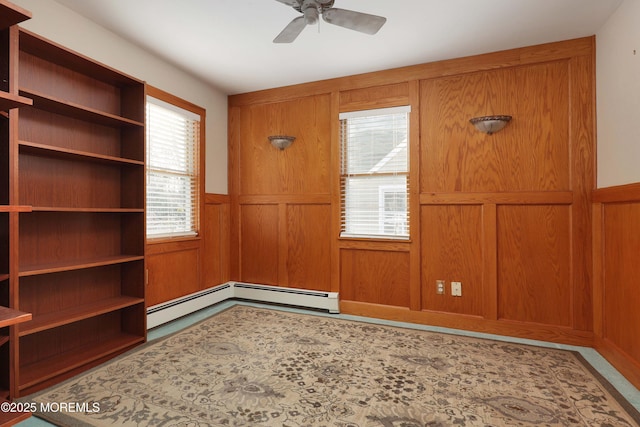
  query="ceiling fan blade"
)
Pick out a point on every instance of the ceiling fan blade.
point(291, 3)
point(363, 22)
point(291, 31)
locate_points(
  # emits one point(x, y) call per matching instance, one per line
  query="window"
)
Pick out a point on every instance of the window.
point(173, 159)
point(375, 173)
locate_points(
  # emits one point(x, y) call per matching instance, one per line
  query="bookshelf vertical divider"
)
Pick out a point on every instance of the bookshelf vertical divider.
point(10, 16)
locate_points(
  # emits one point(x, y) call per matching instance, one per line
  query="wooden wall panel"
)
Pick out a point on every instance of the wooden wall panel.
point(376, 97)
point(452, 251)
point(374, 276)
point(534, 280)
point(259, 257)
point(303, 167)
point(530, 154)
point(308, 263)
point(216, 241)
point(616, 290)
point(621, 293)
point(174, 271)
point(583, 180)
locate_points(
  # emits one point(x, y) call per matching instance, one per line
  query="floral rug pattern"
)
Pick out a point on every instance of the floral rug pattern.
point(250, 366)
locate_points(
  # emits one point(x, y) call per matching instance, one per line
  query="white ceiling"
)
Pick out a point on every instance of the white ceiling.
point(228, 43)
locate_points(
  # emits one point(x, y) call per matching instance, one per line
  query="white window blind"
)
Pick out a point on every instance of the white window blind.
point(173, 141)
point(375, 173)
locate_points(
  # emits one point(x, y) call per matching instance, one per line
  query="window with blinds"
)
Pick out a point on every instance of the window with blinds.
point(375, 173)
point(173, 141)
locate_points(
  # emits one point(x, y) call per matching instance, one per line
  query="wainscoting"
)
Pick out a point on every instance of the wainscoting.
point(616, 248)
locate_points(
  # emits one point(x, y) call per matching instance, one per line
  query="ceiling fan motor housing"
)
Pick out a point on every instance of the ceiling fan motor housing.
point(319, 5)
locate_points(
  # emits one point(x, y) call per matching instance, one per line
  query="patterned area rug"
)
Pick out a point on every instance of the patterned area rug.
point(250, 366)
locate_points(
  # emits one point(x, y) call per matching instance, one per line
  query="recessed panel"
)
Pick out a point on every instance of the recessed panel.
point(308, 247)
point(452, 252)
point(534, 264)
point(375, 276)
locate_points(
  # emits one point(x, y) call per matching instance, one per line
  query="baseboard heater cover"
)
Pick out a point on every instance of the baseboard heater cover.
point(171, 310)
point(289, 296)
point(174, 309)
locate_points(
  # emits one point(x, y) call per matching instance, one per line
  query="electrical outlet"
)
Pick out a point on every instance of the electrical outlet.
point(440, 287)
point(456, 289)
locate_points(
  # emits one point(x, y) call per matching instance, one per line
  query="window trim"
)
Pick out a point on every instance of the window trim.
point(170, 99)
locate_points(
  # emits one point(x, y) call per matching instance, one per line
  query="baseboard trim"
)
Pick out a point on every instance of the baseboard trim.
point(624, 363)
point(470, 323)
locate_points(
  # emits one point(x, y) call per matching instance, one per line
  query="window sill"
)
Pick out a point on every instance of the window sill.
point(176, 239)
point(345, 242)
point(374, 239)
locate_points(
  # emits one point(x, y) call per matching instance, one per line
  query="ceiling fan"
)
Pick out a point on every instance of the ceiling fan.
point(312, 9)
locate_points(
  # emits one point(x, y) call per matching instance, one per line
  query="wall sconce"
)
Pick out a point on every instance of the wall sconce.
point(490, 124)
point(281, 141)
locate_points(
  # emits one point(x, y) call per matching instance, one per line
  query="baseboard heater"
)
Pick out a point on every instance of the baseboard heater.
point(171, 310)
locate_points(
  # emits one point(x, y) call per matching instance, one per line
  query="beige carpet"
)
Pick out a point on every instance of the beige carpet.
point(250, 366)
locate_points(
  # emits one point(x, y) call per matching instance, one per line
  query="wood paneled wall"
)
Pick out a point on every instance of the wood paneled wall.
point(616, 233)
point(508, 215)
point(282, 202)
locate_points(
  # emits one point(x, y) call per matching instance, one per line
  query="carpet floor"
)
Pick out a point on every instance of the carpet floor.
point(249, 366)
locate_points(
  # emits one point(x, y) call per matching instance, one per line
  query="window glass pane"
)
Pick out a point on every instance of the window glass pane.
point(375, 205)
point(374, 180)
point(173, 138)
point(376, 144)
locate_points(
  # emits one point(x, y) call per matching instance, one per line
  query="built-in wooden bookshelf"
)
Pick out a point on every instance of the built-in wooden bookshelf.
point(78, 156)
point(10, 16)
point(72, 206)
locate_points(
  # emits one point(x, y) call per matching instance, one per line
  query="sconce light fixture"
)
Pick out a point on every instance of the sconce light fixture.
point(281, 141)
point(490, 124)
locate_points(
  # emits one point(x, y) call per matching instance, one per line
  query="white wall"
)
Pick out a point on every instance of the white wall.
point(63, 26)
point(618, 92)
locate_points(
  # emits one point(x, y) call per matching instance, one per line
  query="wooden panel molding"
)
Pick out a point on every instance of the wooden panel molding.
point(277, 199)
point(617, 194)
point(499, 198)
